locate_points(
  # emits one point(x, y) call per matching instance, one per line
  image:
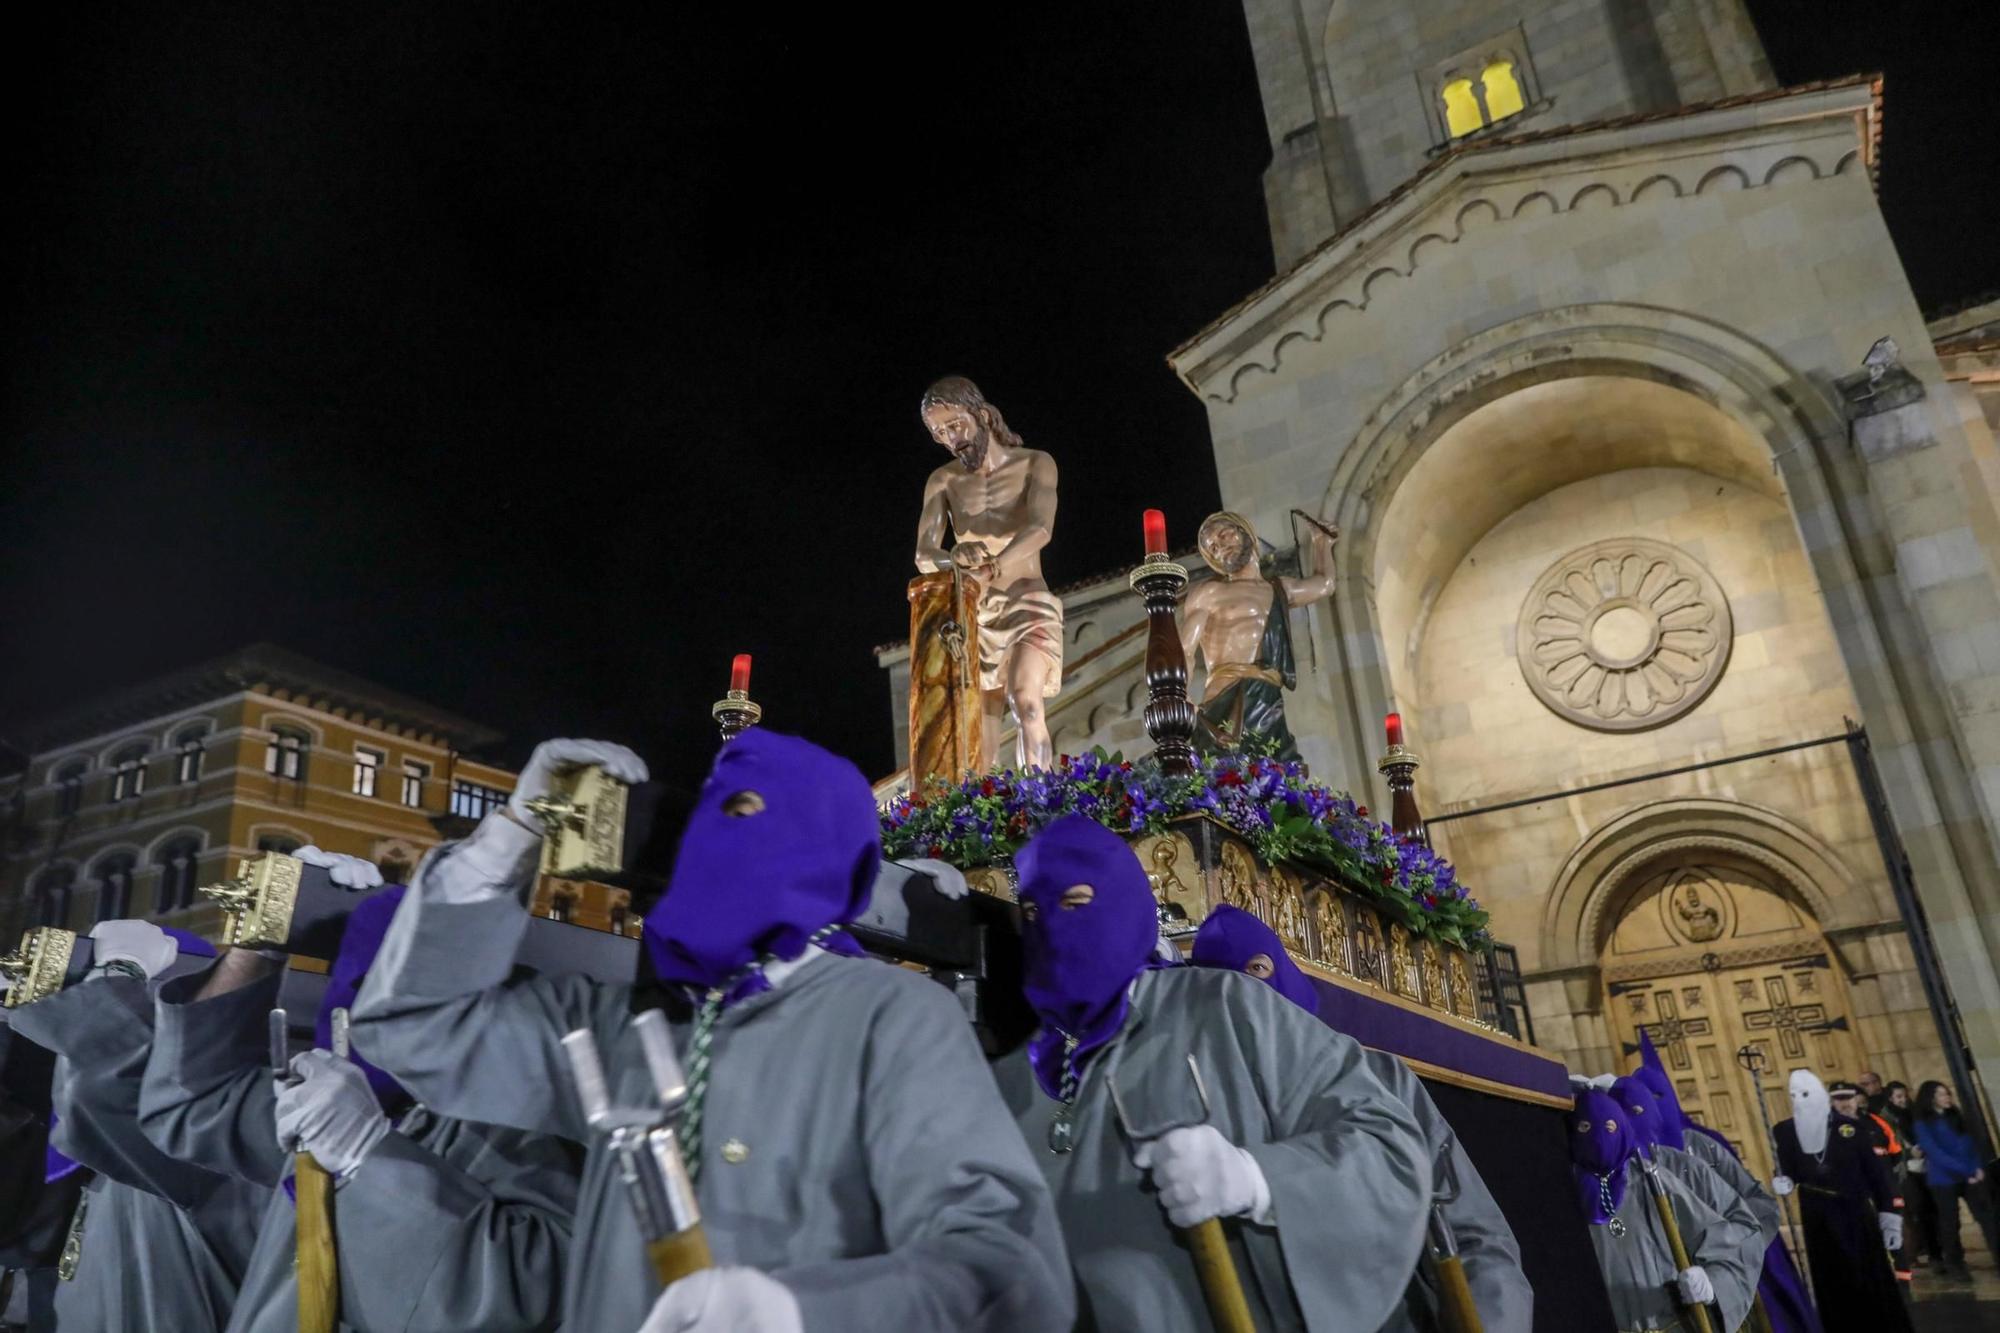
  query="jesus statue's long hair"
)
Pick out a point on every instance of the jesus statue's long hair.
point(958, 391)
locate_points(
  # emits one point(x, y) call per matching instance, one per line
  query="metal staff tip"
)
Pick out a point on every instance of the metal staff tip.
point(656, 1044)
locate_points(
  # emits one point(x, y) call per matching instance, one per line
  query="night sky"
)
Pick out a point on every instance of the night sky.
point(533, 364)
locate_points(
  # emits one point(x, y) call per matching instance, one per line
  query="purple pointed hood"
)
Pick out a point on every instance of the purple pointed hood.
point(1653, 1074)
point(1080, 961)
point(1231, 937)
point(784, 841)
point(360, 941)
point(1649, 1128)
point(1600, 1147)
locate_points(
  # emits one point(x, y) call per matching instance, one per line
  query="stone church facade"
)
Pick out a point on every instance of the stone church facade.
point(1655, 543)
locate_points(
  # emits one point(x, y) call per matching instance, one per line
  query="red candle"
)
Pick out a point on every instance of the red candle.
point(739, 673)
point(1395, 723)
point(1156, 532)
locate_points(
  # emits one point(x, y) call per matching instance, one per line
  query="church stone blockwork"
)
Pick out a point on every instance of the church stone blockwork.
point(1631, 310)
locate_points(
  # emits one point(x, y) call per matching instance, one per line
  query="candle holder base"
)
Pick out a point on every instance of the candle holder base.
point(735, 713)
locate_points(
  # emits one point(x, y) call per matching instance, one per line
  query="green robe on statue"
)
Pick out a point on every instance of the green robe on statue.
point(1245, 699)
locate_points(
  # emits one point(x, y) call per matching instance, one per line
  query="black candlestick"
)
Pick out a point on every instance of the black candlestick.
point(1169, 714)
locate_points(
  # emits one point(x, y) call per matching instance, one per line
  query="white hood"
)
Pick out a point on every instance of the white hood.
point(1810, 1109)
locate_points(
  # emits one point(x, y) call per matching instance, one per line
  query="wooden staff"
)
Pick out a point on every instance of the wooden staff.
point(1697, 1314)
point(317, 1261)
point(1214, 1266)
point(1455, 1302)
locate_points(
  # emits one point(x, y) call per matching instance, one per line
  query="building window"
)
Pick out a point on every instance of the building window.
point(618, 917)
point(367, 769)
point(1480, 87)
point(178, 862)
point(128, 774)
point(473, 801)
point(415, 775)
point(279, 843)
point(52, 891)
point(69, 789)
point(187, 754)
point(561, 906)
point(114, 887)
point(1461, 108)
point(1502, 91)
point(285, 753)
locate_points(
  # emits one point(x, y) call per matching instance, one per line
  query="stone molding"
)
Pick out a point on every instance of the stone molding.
point(1512, 183)
point(1623, 635)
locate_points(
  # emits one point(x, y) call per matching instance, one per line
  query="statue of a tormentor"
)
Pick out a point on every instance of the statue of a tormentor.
point(998, 497)
point(1239, 625)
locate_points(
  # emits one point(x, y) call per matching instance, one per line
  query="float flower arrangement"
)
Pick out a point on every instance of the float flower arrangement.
point(984, 819)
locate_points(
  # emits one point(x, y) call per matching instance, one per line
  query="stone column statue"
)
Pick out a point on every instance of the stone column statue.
point(998, 497)
point(1239, 626)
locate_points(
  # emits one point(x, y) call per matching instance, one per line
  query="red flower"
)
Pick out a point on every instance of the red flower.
point(1361, 810)
point(986, 787)
point(935, 850)
point(1229, 778)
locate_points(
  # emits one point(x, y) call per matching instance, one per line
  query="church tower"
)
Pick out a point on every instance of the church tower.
point(1360, 94)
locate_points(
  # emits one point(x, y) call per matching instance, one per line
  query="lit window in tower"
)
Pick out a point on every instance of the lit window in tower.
point(1461, 108)
point(1503, 91)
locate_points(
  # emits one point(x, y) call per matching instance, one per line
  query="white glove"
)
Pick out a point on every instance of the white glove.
point(1781, 1185)
point(1694, 1286)
point(350, 872)
point(140, 943)
point(950, 880)
point(1200, 1175)
point(726, 1300)
point(1892, 1230)
point(329, 1111)
point(553, 757)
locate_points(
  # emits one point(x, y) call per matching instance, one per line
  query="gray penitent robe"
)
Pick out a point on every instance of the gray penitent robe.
point(1638, 1266)
point(1709, 1185)
point(852, 1144)
point(1486, 1245)
point(1348, 1169)
point(164, 1243)
point(1737, 1177)
point(446, 1225)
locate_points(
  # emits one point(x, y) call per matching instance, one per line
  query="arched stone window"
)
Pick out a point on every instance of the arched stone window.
point(188, 745)
point(128, 773)
point(69, 788)
point(285, 753)
point(1502, 89)
point(1462, 114)
point(1480, 87)
point(178, 871)
point(114, 886)
point(51, 895)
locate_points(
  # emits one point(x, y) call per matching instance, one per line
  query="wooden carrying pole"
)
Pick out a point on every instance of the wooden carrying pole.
point(316, 1264)
point(1221, 1286)
point(1697, 1314)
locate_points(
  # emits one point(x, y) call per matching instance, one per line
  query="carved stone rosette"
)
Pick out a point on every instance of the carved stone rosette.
point(1625, 634)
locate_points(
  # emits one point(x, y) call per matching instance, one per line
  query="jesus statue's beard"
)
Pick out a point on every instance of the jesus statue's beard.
point(972, 452)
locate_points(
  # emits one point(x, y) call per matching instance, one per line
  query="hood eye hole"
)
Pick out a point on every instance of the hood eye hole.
point(1077, 895)
point(742, 804)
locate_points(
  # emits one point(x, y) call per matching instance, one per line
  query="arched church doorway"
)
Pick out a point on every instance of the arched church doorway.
point(1710, 956)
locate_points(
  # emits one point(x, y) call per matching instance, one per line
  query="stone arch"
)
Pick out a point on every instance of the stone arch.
point(1789, 423)
point(1582, 907)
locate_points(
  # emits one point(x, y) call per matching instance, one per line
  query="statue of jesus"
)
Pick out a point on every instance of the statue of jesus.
point(999, 498)
point(1239, 623)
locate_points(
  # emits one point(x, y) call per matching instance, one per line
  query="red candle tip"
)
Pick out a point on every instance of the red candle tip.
point(1395, 724)
point(739, 673)
point(1156, 532)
